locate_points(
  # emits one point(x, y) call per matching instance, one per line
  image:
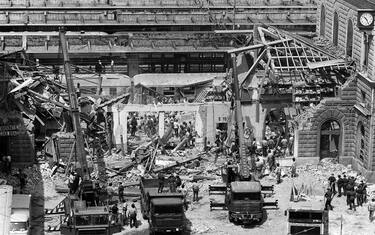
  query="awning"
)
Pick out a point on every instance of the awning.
point(175, 79)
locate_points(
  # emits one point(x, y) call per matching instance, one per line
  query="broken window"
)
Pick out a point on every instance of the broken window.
point(335, 33)
point(322, 20)
point(113, 91)
point(349, 38)
point(361, 146)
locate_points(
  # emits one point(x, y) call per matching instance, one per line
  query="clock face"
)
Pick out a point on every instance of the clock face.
point(366, 19)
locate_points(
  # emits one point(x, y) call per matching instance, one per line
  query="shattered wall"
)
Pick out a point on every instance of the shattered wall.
point(350, 111)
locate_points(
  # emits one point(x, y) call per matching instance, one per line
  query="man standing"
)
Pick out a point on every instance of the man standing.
point(340, 184)
point(278, 173)
point(114, 210)
point(294, 168)
point(172, 183)
point(371, 209)
point(196, 188)
point(120, 192)
point(161, 182)
point(132, 214)
point(351, 198)
point(332, 181)
point(22, 177)
point(328, 197)
point(124, 210)
point(345, 182)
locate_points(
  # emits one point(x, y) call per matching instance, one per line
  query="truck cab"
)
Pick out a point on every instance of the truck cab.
point(20, 215)
point(167, 215)
point(164, 211)
point(89, 220)
point(245, 201)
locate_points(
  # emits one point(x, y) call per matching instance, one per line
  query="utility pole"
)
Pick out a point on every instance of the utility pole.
point(82, 168)
point(244, 169)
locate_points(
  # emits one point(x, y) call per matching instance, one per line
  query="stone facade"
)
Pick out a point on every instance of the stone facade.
point(353, 109)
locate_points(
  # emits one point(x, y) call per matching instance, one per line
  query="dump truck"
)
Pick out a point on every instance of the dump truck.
point(164, 211)
point(20, 216)
point(244, 200)
point(307, 218)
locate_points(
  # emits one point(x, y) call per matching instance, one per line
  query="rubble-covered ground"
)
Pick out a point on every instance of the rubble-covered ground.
point(203, 221)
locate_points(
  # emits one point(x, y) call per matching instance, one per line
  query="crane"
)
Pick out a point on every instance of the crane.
point(82, 167)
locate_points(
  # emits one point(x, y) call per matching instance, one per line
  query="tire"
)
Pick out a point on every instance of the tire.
point(230, 217)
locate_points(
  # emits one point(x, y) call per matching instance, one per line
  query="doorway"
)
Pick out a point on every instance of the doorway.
point(4, 146)
point(330, 139)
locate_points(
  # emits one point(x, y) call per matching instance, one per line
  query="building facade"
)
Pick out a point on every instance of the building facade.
point(344, 126)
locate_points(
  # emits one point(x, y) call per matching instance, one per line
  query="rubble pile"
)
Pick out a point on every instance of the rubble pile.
point(328, 47)
point(328, 166)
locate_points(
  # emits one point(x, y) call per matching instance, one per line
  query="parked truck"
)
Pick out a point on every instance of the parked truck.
point(244, 200)
point(307, 218)
point(20, 216)
point(164, 211)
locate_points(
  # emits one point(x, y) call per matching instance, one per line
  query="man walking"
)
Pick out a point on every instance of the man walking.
point(332, 181)
point(328, 197)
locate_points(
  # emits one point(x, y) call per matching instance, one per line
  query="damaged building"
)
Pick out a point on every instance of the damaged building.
point(343, 127)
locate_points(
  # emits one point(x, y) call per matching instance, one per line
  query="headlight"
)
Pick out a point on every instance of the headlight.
point(177, 230)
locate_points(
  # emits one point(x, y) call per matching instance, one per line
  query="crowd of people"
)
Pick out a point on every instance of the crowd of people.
point(148, 124)
point(355, 193)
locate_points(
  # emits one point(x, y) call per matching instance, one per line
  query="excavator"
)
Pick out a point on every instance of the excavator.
point(242, 193)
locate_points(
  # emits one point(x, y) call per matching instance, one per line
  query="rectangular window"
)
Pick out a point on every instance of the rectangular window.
point(113, 91)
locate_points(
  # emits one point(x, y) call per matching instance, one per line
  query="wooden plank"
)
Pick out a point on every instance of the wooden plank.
point(327, 63)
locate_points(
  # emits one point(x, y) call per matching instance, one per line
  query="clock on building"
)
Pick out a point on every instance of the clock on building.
point(366, 19)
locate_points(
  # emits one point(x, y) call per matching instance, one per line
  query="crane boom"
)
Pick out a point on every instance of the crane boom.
point(82, 168)
point(244, 167)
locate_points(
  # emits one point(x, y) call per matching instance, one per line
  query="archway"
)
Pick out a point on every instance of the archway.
point(349, 38)
point(335, 33)
point(322, 20)
point(330, 133)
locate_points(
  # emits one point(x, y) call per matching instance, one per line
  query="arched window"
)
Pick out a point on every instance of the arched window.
point(349, 38)
point(330, 139)
point(322, 20)
point(335, 33)
point(361, 147)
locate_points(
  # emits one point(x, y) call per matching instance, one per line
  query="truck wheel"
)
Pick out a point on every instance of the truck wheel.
point(230, 217)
